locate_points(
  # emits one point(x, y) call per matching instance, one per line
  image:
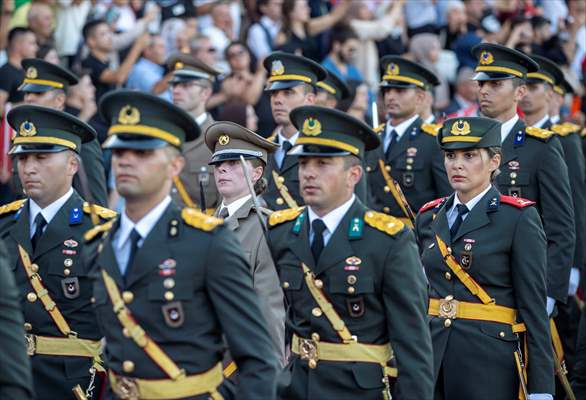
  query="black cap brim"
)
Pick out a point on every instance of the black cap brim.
point(133, 142)
point(281, 85)
point(37, 148)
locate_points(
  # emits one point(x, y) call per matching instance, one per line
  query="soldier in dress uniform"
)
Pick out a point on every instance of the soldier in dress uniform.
point(532, 163)
point(351, 276)
point(171, 282)
point(292, 83)
point(331, 91)
point(407, 170)
point(228, 141)
point(44, 236)
point(46, 84)
point(191, 87)
point(486, 290)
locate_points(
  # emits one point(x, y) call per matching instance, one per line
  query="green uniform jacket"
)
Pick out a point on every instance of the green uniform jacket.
point(388, 304)
point(417, 165)
point(289, 174)
point(15, 373)
point(507, 254)
point(67, 278)
point(212, 295)
point(534, 168)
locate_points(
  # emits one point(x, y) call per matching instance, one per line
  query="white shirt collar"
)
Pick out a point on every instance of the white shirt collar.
point(235, 205)
point(291, 140)
point(430, 119)
point(542, 121)
point(273, 26)
point(402, 127)
point(472, 202)
point(333, 218)
point(48, 212)
point(507, 127)
point(144, 226)
point(201, 119)
point(554, 119)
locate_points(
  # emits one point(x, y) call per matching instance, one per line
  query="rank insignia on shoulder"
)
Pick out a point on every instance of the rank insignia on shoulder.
point(539, 133)
point(383, 222)
point(571, 127)
point(103, 212)
point(355, 228)
point(516, 201)
point(199, 220)
point(289, 214)
point(432, 204)
point(75, 216)
point(96, 230)
point(583, 133)
point(561, 130)
point(431, 129)
point(11, 207)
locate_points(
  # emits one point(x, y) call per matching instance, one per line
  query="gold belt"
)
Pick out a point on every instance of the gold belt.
point(127, 388)
point(452, 309)
point(55, 346)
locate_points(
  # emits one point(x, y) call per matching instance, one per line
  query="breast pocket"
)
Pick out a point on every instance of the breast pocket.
point(514, 183)
point(173, 298)
point(67, 277)
point(350, 290)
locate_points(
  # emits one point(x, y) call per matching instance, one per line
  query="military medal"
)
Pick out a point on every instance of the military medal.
point(352, 264)
point(167, 267)
point(70, 243)
point(514, 165)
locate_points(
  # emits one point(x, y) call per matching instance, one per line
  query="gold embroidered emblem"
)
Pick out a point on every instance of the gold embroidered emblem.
point(460, 128)
point(31, 73)
point(311, 127)
point(393, 69)
point(223, 140)
point(27, 129)
point(129, 115)
point(486, 58)
point(277, 68)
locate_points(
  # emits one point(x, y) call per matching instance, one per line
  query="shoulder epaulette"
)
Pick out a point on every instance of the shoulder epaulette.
point(379, 128)
point(383, 222)
point(560, 130)
point(583, 133)
point(571, 127)
point(10, 207)
point(539, 133)
point(199, 220)
point(431, 204)
point(516, 201)
point(289, 214)
point(96, 230)
point(103, 212)
point(431, 129)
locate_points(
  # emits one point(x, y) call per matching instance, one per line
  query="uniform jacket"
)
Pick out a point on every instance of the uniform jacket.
point(533, 167)
point(388, 303)
point(507, 258)
point(417, 164)
point(188, 287)
point(66, 276)
point(289, 174)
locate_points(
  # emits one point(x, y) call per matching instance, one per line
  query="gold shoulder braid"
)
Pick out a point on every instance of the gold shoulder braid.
point(431, 129)
point(571, 127)
point(102, 212)
point(199, 220)
point(289, 214)
point(96, 230)
point(383, 222)
point(539, 133)
point(10, 207)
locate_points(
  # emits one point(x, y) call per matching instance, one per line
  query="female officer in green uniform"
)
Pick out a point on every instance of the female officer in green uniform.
point(484, 255)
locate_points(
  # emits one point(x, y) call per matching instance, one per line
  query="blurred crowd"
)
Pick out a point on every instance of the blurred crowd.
point(110, 44)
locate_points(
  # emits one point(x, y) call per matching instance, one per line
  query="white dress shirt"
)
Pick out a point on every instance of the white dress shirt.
point(280, 153)
point(555, 119)
point(400, 129)
point(235, 205)
point(331, 219)
point(201, 118)
point(542, 121)
point(507, 127)
point(121, 240)
point(48, 212)
point(453, 213)
point(257, 38)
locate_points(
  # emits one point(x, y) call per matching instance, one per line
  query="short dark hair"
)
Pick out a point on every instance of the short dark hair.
point(351, 161)
point(518, 82)
point(342, 33)
point(16, 33)
point(90, 27)
point(493, 151)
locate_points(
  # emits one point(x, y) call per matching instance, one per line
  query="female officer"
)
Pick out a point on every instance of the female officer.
point(484, 255)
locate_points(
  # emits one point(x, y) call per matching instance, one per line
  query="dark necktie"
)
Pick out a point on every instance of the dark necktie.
point(286, 146)
point(224, 213)
point(317, 245)
point(394, 135)
point(40, 226)
point(462, 210)
point(134, 238)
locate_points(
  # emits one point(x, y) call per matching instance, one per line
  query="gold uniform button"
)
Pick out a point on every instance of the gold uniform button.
point(92, 299)
point(409, 167)
point(66, 272)
point(169, 283)
point(387, 189)
point(126, 332)
point(513, 182)
point(35, 268)
point(315, 337)
point(281, 179)
point(127, 297)
point(448, 276)
point(169, 296)
point(513, 175)
point(448, 323)
point(502, 334)
point(312, 364)
point(386, 210)
point(280, 201)
point(128, 366)
point(388, 168)
point(351, 290)
point(32, 297)
point(317, 312)
point(319, 284)
point(449, 297)
point(368, 169)
point(285, 285)
point(28, 327)
point(174, 222)
point(409, 161)
point(351, 279)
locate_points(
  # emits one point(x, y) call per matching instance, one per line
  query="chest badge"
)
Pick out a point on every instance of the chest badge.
point(173, 314)
point(352, 264)
point(514, 165)
point(167, 267)
point(70, 243)
point(466, 255)
point(70, 287)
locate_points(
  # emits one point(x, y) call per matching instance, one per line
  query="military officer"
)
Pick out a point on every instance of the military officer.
point(228, 141)
point(15, 366)
point(483, 283)
point(532, 162)
point(351, 276)
point(291, 83)
point(46, 84)
point(171, 281)
point(191, 88)
point(407, 170)
point(331, 91)
point(44, 236)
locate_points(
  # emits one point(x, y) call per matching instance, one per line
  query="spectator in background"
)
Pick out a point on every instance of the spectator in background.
point(201, 47)
point(81, 100)
point(262, 34)
point(22, 44)
point(426, 48)
point(356, 104)
point(474, 10)
point(70, 17)
point(250, 79)
point(421, 17)
point(298, 32)
point(98, 37)
point(456, 24)
point(221, 32)
point(521, 35)
point(149, 69)
point(464, 103)
point(425, 110)
point(48, 53)
point(40, 21)
point(240, 113)
point(342, 55)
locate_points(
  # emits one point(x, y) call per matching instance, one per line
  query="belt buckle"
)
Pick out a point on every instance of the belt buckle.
point(31, 344)
point(126, 388)
point(308, 350)
point(448, 307)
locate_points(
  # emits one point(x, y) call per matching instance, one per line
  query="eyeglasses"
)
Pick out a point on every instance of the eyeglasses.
point(236, 53)
point(209, 50)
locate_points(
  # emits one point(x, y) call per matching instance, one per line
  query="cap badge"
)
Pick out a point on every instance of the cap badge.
point(393, 69)
point(460, 128)
point(223, 140)
point(311, 127)
point(129, 115)
point(486, 58)
point(179, 65)
point(27, 129)
point(277, 68)
point(31, 73)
